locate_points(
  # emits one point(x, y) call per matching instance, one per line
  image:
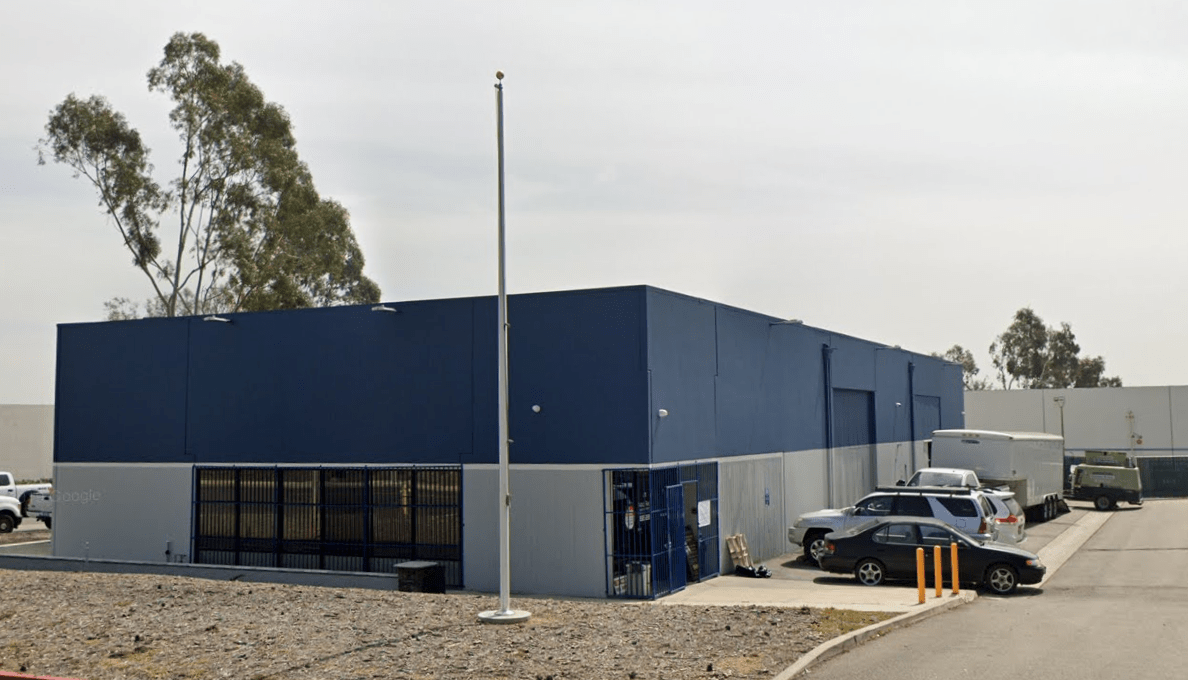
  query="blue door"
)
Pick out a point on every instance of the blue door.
point(928, 418)
point(674, 542)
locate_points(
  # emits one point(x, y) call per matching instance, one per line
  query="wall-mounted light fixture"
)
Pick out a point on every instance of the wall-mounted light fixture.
point(536, 408)
point(663, 413)
point(215, 317)
point(384, 308)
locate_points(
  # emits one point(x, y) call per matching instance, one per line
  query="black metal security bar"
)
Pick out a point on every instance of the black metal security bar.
point(339, 519)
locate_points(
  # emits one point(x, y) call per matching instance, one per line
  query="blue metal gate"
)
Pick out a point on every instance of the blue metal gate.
point(674, 537)
point(661, 529)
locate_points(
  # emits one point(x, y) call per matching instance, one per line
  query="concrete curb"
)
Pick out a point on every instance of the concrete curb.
point(1054, 555)
point(850, 640)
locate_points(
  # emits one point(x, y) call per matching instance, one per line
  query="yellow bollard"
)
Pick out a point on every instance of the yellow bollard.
point(956, 581)
point(936, 564)
point(920, 580)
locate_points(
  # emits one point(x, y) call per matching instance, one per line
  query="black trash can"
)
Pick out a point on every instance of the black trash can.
point(420, 577)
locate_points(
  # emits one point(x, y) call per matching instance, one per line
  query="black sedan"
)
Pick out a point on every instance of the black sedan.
point(885, 548)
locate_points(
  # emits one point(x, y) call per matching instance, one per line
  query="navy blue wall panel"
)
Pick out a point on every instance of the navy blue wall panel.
point(893, 400)
point(928, 416)
point(347, 384)
point(580, 356)
point(328, 385)
point(853, 363)
point(352, 385)
point(937, 378)
point(767, 383)
point(682, 358)
point(770, 389)
point(484, 446)
point(121, 391)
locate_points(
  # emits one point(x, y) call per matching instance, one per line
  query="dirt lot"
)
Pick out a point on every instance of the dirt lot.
point(25, 536)
point(100, 626)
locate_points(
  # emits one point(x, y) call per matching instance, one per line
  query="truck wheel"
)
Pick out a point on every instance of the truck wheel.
point(1102, 502)
point(7, 523)
point(814, 543)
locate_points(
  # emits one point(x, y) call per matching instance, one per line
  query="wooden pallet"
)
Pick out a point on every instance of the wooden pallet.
point(739, 553)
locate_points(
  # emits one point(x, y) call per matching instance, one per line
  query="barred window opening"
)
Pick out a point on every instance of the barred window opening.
point(338, 519)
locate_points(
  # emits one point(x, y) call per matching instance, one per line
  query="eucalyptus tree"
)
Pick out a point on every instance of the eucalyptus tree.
point(249, 230)
point(969, 367)
point(1031, 355)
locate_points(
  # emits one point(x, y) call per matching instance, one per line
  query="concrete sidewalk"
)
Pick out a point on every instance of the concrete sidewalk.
point(794, 583)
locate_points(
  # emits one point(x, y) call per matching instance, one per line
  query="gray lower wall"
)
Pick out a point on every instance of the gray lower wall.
point(751, 500)
point(122, 511)
point(27, 440)
point(896, 461)
point(557, 538)
point(761, 496)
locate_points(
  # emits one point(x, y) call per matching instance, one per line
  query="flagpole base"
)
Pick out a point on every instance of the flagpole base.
point(503, 616)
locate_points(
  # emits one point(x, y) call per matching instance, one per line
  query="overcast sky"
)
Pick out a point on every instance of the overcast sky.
point(907, 172)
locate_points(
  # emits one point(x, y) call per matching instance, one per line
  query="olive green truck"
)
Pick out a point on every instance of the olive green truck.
point(1106, 478)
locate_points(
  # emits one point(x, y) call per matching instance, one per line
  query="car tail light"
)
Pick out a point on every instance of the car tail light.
point(830, 547)
point(982, 529)
point(1009, 519)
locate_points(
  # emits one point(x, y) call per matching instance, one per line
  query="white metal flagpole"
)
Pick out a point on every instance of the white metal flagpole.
point(505, 614)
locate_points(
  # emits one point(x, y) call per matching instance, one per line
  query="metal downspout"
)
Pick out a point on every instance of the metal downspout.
point(912, 409)
point(827, 362)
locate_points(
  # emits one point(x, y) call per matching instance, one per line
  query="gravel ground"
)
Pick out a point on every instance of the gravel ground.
point(99, 626)
point(25, 536)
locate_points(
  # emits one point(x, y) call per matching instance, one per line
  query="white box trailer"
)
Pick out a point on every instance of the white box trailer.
point(1030, 463)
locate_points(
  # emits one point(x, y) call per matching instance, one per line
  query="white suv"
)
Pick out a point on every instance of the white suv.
point(966, 509)
point(1009, 516)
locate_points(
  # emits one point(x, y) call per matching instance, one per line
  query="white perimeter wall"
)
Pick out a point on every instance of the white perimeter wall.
point(27, 440)
point(1094, 419)
point(122, 511)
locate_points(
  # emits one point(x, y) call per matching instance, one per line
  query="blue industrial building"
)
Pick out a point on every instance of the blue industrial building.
point(647, 426)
